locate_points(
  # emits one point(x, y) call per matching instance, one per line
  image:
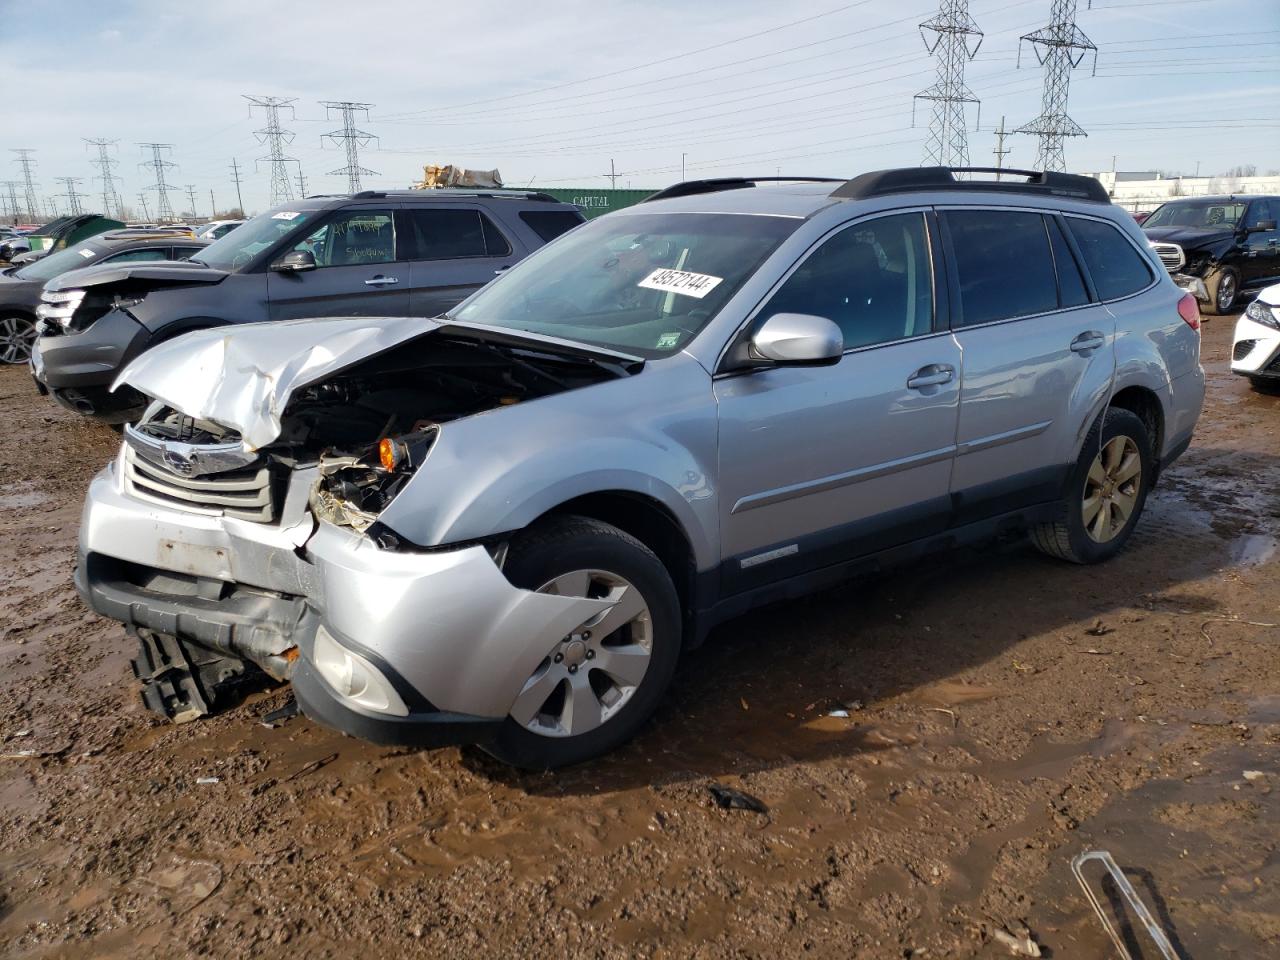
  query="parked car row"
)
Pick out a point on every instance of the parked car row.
point(503, 524)
point(21, 288)
point(54, 236)
point(371, 254)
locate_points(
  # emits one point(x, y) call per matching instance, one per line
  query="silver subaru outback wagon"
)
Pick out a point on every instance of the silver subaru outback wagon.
point(503, 525)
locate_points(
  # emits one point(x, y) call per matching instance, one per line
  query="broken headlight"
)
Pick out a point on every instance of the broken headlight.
point(355, 487)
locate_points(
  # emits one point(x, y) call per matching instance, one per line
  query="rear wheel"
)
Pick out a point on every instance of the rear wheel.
point(17, 336)
point(1105, 495)
point(1268, 385)
point(1223, 286)
point(596, 686)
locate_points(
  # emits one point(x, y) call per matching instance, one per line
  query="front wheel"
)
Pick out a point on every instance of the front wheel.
point(1223, 287)
point(1105, 494)
point(596, 686)
point(17, 337)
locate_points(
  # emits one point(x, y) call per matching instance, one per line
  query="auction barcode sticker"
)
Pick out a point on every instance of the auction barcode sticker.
point(680, 281)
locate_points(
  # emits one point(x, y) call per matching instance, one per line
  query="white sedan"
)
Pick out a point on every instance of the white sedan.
point(1256, 351)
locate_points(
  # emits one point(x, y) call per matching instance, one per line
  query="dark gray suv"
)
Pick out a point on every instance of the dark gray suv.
point(371, 254)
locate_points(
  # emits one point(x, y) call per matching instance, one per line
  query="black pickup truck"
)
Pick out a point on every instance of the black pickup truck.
point(1218, 247)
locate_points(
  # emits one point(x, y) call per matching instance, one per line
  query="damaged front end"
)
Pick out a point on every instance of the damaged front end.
point(235, 533)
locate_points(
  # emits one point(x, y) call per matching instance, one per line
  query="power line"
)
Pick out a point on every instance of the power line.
point(191, 196)
point(25, 161)
point(146, 212)
point(276, 138)
point(954, 30)
point(158, 165)
point(73, 198)
point(302, 183)
point(235, 177)
point(352, 137)
point(1001, 151)
point(659, 62)
point(1060, 47)
point(111, 205)
point(12, 187)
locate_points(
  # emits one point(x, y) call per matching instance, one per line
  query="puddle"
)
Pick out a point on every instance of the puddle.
point(29, 498)
point(1254, 549)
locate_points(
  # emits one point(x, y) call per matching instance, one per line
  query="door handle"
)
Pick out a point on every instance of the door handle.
point(1089, 340)
point(381, 281)
point(502, 269)
point(934, 375)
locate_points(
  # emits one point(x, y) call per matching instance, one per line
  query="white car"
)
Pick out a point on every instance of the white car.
point(1256, 351)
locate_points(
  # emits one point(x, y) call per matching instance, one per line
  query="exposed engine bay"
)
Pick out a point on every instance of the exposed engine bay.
point(371, 426)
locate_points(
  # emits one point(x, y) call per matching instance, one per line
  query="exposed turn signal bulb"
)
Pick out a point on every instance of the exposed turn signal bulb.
point(388, 453)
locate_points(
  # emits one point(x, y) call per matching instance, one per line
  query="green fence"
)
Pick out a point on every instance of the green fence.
point(595, 202)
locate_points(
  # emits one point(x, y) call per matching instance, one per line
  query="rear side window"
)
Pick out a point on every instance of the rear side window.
point(137, 256)
point(549, 224)
point(1116, 267)
point(452, 234)
point(1003, 263)
point(1071, 288)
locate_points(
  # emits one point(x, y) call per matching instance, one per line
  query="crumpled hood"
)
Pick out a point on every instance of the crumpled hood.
point(243, 376)
point(1188, 236)
point(161, 272)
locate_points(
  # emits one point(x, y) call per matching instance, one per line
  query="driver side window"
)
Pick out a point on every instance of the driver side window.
point(352, 239)
point(873, 279)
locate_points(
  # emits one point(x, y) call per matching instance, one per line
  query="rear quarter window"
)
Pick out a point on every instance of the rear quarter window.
point(1003, 264)
point(1116, 267)
point(549, 224)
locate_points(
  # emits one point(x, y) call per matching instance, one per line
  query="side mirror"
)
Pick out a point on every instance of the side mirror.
point(295, 261)
point(1262, 226)
point(798, 340)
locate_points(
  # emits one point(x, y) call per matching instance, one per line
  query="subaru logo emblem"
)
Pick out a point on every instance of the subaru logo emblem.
point(178, 461)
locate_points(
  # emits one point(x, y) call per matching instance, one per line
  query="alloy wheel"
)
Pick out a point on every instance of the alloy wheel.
point(591, 673)
point(17, 335)
point(1226, 292)
point(1111, 489)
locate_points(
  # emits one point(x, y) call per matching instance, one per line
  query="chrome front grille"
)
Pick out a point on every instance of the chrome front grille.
point(244, 494)
point(1171, 256)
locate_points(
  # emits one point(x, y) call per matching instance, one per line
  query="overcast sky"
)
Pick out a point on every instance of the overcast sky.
point(549, 93)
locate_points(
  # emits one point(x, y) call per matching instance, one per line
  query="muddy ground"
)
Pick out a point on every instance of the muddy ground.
point(1005, 712)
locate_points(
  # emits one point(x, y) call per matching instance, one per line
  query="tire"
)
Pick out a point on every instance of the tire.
point(1224, 291)
point(563, 550)
point(17, 335)
point(1267, 385)
point(1080, 537)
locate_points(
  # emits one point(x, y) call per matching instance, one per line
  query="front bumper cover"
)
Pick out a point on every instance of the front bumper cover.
point(78, 368)
point(1262, 359)
point(445, 627)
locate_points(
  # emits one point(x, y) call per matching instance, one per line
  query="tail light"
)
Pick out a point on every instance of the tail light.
point(1189, 311)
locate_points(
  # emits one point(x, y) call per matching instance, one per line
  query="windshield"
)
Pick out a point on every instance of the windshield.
point(239, 247)
point(1197, 213)
point(643, 284)
point(48, 267)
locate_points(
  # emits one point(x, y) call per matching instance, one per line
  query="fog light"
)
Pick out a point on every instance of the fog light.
point(354, 678)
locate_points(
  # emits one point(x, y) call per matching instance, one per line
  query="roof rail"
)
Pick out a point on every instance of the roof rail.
point(690, 188)
point(909, 179)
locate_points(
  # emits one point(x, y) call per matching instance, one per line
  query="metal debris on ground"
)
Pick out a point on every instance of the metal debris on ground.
point(201, 781)
point(311, 767)
point(728, 798)
point(1154, 930)
point(1021, 946)
point(277, 717)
